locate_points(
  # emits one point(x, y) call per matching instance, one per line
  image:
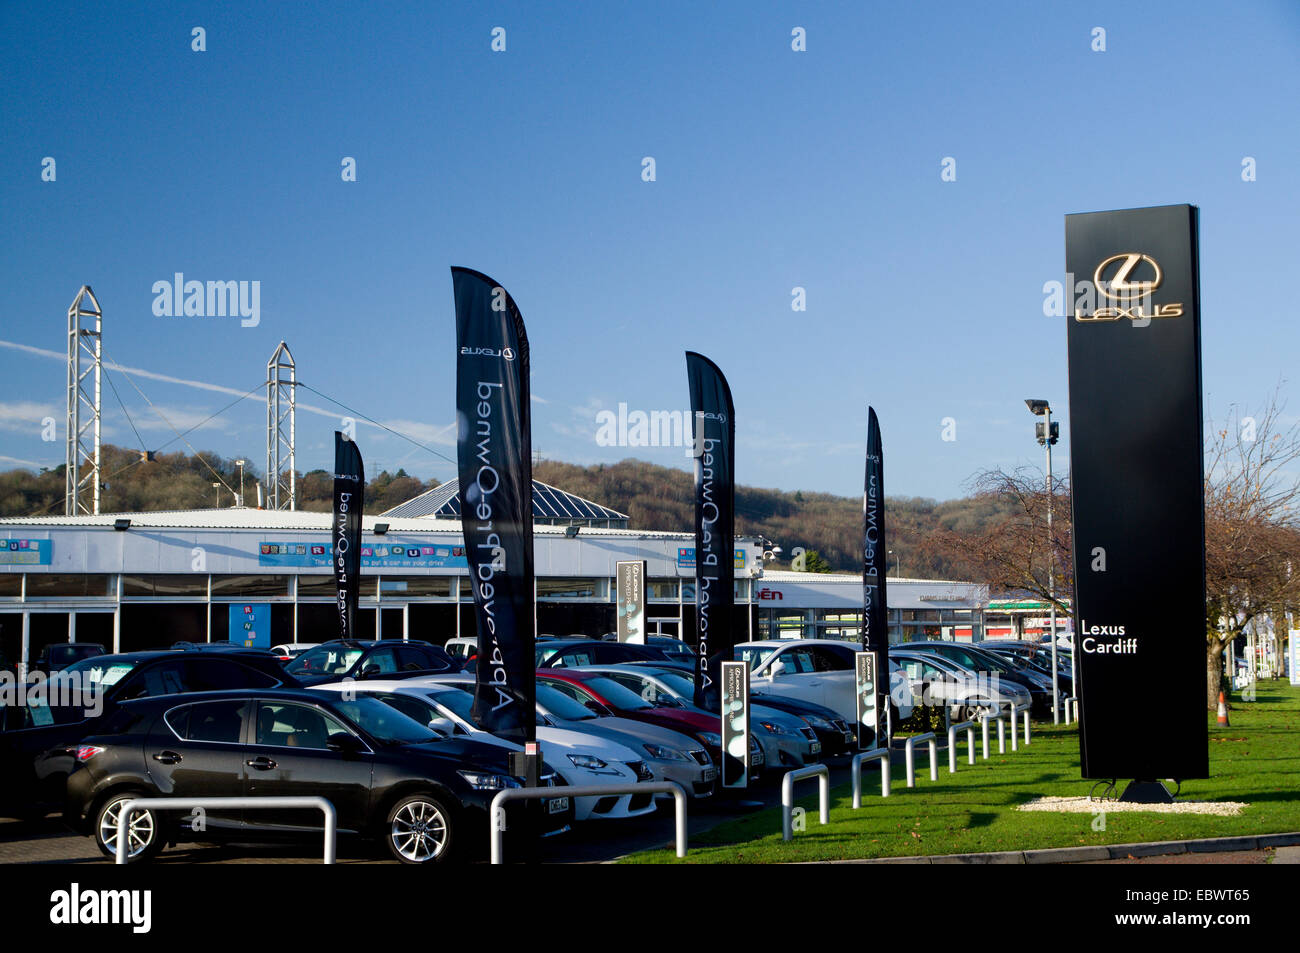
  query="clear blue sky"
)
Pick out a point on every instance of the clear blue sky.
point(775, 169)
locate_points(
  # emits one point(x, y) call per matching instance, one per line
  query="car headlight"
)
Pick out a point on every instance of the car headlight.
point(489, 782)
point(819, 722)
point(587, 761)
point(660, 753)
point(774, 728)
point(710, 738)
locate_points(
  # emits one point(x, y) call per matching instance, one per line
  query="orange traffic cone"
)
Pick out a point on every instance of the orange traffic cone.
point(1223, 712)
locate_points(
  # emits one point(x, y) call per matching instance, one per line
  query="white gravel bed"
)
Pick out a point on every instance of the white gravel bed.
point(1086, 805)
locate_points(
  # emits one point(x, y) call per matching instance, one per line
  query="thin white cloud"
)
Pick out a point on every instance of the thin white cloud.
point(424, 432)
point(35, 464)
point(26, 416)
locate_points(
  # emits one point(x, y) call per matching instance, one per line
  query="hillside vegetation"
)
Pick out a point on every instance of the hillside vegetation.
point(654, 497)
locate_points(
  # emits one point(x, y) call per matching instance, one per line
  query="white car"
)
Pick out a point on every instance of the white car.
point(578, 758)
point(815, 670)
point(461, 647)
point(288, 651)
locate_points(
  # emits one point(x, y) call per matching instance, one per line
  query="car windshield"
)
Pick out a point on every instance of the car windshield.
point(96, 671)
point(561, 705)
point(753, 655)
point(679, 685)
point(386, 725)
point(325, 660)
point(460, 703)
point(617, 695)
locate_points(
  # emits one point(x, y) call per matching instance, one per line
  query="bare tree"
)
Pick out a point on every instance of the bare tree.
point(1013, 554)
point(1252, 531)
point(1252, 543)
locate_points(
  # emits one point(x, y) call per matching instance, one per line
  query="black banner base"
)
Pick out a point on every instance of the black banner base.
point(1147, 792)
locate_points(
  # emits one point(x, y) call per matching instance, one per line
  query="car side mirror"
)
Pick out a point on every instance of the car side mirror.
point(343, 743)
point(369, 671)
point(777, 668)
point(443, 726)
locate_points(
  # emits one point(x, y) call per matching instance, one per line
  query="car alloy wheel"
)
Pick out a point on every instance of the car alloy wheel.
point(419, 830)
point(143, 838)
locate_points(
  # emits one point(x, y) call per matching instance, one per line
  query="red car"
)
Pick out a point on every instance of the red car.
point(602, 694)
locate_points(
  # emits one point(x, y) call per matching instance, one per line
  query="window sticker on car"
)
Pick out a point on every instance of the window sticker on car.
point(108, 677)
point(39, 713)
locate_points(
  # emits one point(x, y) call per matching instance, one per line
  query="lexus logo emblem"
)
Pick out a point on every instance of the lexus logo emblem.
point(1121, 287)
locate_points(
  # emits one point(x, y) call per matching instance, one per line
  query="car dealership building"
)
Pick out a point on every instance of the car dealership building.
point(145, 580)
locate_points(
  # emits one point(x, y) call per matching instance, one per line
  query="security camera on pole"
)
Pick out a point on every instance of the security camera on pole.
point(1047, 433)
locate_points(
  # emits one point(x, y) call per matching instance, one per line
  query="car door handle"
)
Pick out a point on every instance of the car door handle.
point(261, 764)
point(168, 757)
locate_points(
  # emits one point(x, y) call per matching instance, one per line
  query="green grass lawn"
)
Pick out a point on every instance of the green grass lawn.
point(1255, 760)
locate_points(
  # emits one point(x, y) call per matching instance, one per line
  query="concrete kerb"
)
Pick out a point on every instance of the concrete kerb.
point(1074, 855)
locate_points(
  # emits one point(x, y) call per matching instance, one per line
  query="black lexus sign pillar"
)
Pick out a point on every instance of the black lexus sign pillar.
point(345, 530)
point(1136, 470)
point(494, 455)
point(714, 417)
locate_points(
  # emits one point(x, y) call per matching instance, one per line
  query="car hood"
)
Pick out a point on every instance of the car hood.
point(469, 753)
point(633, 734)
point(569, 741)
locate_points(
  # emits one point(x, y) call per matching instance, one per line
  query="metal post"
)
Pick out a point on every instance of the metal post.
point(855, 770)
point(242, 803)
point(1002, 737)
point(1051, 567)
point(910, 757)
point(969, 728)
point(823, 775)
point(497, 808)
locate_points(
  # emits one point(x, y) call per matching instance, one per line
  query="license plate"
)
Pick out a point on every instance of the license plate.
point(557, 805)
point(816, 747)
point(710, 774)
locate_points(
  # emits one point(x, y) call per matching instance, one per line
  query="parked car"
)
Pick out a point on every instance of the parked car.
point(992, 666)
point(675, 649)
point(821, 671)
point(425, 797)
point(37, 744)
point(571, 653)
point(356, 659)
point(788, 741)
point(461, 647)
point(58, 656)
point(604, 696)
point(579, 759)
point(834, 732)
point(1034, 662)
point(288, 651)
point(672, 755)
point(968, 694)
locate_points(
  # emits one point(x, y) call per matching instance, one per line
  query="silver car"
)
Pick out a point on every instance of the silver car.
point(787, 740)
point(672, 756)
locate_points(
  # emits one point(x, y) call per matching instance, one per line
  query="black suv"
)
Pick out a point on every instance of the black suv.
point(385, 658)
point(574, 653)
point(37, 733)
point(57, 657)
point(425, 797)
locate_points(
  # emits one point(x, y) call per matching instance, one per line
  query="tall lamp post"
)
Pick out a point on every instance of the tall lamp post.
point(1047, 434)
point(240, 464)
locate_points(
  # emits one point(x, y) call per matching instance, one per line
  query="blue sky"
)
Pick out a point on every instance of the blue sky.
point(775, 169)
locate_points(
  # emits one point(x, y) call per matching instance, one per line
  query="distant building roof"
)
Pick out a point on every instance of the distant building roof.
point(550, 505)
